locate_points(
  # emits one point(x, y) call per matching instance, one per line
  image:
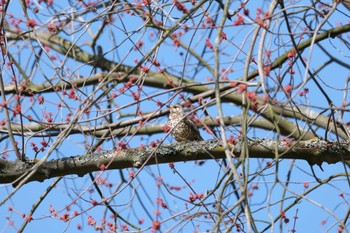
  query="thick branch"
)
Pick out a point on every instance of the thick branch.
point(314, 151)
point(168, 81)
point(65, 47)
point(99, 131)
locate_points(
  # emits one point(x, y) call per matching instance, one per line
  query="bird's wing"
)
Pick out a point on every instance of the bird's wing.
point(193, 126)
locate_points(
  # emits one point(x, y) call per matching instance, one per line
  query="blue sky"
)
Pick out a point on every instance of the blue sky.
point(74, 191)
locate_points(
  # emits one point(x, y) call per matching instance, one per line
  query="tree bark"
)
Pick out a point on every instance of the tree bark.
point(315, 151)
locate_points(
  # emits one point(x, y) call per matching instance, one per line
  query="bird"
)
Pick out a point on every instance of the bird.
point(183, 129)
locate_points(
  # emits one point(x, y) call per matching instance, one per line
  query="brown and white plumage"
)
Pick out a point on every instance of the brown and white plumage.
point(183, 128)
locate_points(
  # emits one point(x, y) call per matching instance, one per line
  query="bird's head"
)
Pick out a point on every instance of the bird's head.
point(177, 108)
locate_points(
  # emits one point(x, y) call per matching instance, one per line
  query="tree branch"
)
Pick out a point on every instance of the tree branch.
point(313, 151)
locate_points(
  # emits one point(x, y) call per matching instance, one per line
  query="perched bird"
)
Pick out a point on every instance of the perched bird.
point(183, 128)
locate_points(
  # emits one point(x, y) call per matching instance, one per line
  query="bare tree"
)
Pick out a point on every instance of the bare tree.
point(87, 86)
